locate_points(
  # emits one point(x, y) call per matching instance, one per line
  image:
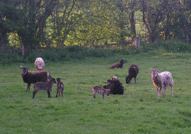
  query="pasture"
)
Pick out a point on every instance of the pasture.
point(137, 111)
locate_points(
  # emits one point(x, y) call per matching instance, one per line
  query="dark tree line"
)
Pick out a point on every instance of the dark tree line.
point(73, 22)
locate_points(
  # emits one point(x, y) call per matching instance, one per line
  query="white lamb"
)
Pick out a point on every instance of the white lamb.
point(39, 63)
point(161, 80)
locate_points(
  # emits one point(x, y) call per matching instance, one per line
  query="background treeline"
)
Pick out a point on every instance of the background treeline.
point(58, 23)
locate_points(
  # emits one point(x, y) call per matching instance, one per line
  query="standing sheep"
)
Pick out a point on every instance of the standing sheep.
point(115, 86)
point(44, 86)
point(60, 87)
point(33, 77)
point(39, 63)
point(118, 65)
point(133, 72)
point(100, 90)
point(161, 80)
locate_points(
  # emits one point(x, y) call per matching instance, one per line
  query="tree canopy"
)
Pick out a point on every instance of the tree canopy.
point(55, 23)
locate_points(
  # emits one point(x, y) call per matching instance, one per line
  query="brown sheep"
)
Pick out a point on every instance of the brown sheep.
point(133, 71)
point(118, 65)
point(44, 86)
point(33, 77)
point(60, 87)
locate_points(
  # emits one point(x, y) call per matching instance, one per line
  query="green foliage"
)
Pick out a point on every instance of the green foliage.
point(172, 46)
point(66, 54)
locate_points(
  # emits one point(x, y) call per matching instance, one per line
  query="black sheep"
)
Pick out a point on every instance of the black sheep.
point(133, 71)
point(33, 77)
point(115, 86)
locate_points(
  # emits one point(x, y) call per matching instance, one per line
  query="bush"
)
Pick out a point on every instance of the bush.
point(171, 45)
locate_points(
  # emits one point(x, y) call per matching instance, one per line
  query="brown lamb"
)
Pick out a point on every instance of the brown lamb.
point(100, 90)
point(118, 65)
point(33, 77)
point(60, 86)
point(44, 86)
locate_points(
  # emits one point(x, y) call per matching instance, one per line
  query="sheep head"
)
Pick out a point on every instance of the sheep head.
point(58, 79)
point(128, 80)
point(122, 61)
point(154, 72)
point(114, 78)
point(25, 69)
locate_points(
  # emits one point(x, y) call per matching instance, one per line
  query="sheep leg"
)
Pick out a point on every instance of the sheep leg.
point(34, 92)
point(158, 90)
point(171, 91)
point(102, 96)
point(57, 93)
point(62, 93)
point(28, 87)
point(164, 91)
point(94, 95)
point(48, 94)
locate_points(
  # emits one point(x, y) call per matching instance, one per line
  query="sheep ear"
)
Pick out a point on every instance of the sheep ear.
point(21, 67)
point(150, 69)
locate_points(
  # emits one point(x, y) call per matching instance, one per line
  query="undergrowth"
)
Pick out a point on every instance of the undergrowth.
point(80, 52)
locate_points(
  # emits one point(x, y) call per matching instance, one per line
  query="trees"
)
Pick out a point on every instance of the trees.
point(59, 22)
point(27, 18)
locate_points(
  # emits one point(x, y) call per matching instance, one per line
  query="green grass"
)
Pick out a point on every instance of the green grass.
point(137, 111)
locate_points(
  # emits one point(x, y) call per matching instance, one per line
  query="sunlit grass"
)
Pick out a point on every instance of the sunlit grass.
point(137, 111)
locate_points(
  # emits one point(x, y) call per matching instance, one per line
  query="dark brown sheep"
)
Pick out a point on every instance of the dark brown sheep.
point(133, 72)
point(115, 86)
point(118, 65)
point(100, 90)
point(44, 86)
point(60, 86)
point(33, 77)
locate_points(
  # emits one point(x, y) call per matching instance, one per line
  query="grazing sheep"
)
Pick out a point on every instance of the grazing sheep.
point(60, 87)
point(161, 80)
point(33, 77)
point(133, 71)
point(100, 90)
point(115, 86)
point(118, 65)
point(44, 86)
point(39, 63)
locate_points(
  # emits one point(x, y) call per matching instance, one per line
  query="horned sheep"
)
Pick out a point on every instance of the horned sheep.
point(115, 86)
point(33, 77)
point(44, 86)
point(118, 65)
point(161, 80)
point(133, 72)
point(39, 63)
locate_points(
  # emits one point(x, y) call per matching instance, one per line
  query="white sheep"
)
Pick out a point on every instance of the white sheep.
point(39, 63)
point(161, 80)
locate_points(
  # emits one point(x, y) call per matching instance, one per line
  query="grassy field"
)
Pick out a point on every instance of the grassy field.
point(137, 111)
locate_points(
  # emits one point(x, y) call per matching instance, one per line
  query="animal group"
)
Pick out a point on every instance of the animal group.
point(42, 80)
